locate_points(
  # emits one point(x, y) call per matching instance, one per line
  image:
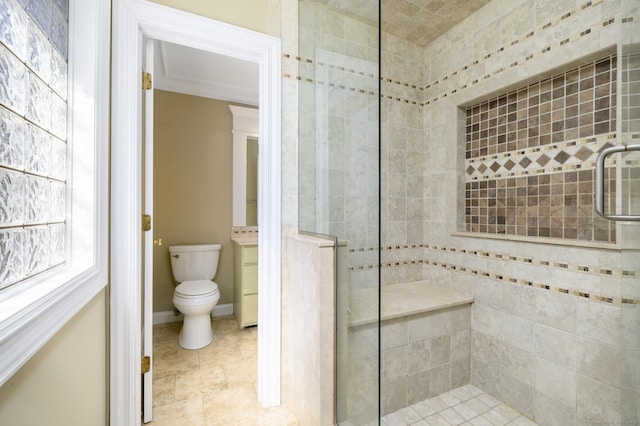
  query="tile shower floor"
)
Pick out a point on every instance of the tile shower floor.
point(466, 405)
point(212, 386)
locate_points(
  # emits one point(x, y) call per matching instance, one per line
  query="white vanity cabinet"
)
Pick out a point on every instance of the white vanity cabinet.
point(245, 283)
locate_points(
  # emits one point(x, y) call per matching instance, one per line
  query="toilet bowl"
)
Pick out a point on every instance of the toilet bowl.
point(196, 295)
point(196, 299)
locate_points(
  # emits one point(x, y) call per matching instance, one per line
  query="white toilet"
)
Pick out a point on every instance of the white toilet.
point(195, 296)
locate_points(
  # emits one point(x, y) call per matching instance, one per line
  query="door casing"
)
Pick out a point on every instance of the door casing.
point(133, 21)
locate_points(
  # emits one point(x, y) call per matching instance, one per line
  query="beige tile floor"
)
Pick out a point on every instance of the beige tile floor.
point(216, 386)
point(466, 405)
point(212, 386)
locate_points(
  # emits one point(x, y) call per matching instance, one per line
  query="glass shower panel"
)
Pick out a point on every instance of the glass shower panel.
point(628, 168)
point(338, 113)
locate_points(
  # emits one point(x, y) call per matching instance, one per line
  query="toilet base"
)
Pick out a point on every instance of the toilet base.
point(196, 332)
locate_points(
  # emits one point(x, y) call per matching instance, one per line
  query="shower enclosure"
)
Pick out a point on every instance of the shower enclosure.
point(451, 149)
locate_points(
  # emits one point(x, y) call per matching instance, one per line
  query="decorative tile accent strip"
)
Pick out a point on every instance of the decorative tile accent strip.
point(598, 270)
point(360, 74)
point(243, 231)
point(504, 49)
point(432, 99)
point(504, 277)
point(540, 29)
point(565, 156)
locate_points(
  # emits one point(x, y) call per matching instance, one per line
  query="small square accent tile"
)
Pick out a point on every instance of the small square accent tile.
point(465, 405)
point(452, 417)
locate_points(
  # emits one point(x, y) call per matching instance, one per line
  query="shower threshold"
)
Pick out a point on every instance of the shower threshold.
point(466, 405)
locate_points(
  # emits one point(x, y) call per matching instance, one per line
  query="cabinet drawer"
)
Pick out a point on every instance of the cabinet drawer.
point(250, 279)
point(250, 310)
point(250, 254)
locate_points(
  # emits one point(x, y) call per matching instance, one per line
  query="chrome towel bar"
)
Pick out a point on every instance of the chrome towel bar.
point(600, 182)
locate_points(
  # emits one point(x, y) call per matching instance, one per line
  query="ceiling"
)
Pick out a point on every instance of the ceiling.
point(422, 21)
point(418, 21)
point(197, 72)
point(200, 73)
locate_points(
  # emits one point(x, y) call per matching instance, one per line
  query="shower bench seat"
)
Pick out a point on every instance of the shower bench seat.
point(401, 300)
point(425, 339)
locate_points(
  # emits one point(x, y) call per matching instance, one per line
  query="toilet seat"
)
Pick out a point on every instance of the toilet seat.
point(196, 289)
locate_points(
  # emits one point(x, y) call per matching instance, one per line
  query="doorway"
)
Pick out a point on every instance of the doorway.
point(133, 22)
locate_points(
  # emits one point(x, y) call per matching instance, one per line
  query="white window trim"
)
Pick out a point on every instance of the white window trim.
point(33, 311)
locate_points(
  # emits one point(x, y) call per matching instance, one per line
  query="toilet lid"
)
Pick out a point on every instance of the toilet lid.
point(196, 288)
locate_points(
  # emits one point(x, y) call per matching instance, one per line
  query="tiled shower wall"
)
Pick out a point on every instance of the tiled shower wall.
point(548, 320)
point(541, 310)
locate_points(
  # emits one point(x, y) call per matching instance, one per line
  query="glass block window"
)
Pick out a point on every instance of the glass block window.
point(530, 154)
point(33, 136)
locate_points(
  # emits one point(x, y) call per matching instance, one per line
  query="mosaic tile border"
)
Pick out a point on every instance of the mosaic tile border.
point(525, 58)
point(607, 272)
point(354, 72)
point(244, 231)
point(567, 156)
point(528, 34)
point(468, 68)
point(532, 260)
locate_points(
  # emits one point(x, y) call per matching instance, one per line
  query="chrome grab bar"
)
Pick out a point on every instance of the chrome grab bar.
point(600, 182)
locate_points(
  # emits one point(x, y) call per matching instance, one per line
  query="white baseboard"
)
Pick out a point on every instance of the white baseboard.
point(165, 317)
point(222, 310)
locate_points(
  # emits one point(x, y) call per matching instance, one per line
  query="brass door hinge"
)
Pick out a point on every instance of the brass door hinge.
point(145, 364)
point(146, 222)
point(147, 83)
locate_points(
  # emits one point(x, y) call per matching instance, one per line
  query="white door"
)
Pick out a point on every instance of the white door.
point(148, 241)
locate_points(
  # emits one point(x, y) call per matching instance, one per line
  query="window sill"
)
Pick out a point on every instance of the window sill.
point(31, 314)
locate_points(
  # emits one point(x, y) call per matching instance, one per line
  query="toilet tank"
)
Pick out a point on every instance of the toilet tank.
point(194, 262)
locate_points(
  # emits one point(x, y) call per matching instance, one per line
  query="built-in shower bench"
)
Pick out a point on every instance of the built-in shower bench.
point(401, 300)
point(425, 339)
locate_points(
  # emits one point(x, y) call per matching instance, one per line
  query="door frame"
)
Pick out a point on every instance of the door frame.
point(132, 21)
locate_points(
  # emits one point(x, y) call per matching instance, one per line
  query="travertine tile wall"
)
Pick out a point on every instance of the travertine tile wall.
point(548, 325)
point(309, 371)
point(424, 355)
point(532, 297)
point(338, 137)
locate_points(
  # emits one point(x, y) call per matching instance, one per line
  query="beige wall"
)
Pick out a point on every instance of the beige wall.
point(251, 14)
point(65, 382)
point(192, 186)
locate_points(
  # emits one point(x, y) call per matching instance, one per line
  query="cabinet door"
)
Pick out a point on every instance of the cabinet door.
point(249, 310)
point(249, 279)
